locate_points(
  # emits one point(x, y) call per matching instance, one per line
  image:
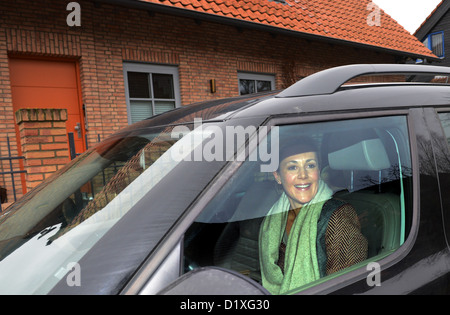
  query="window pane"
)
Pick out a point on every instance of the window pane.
point(358, 171)
point(162, 86)
point(263, 86)
point(140, 110)
point(442, 158)
point(437, 41)
point(445, 120)
point(162, 106)
point(138, 85)
point(247, 86)
point(150, 83)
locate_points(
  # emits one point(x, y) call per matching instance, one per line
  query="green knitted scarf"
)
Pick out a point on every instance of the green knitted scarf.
point(301, 266)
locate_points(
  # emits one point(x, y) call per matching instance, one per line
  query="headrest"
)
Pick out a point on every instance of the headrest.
point(367, 155)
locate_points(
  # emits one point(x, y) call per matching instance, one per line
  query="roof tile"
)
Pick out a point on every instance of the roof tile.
point(339, 19)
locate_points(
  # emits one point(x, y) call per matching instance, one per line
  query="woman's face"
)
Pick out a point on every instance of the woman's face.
point(299, 174)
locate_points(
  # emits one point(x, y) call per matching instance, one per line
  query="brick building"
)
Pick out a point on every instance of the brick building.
point(75, 72)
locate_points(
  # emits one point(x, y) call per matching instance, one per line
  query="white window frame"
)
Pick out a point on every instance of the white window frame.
point(256, 77)
point(151, 68)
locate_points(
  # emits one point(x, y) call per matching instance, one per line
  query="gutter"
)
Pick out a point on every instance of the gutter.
point(202, 16)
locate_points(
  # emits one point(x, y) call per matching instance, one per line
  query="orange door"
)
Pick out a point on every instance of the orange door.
point(37, 83)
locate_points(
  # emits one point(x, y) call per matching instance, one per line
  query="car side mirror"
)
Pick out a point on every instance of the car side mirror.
point(213, 281)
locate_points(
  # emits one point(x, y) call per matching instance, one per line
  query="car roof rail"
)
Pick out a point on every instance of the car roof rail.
point(330, 80)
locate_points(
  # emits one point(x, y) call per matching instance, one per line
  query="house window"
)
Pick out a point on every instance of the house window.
point(253, 83)
point(435, 43)
point(150, 90)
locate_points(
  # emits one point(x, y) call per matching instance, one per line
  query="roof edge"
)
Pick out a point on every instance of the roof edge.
point(432, 20)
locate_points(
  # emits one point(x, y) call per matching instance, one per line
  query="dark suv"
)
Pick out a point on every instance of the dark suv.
point(181, 203)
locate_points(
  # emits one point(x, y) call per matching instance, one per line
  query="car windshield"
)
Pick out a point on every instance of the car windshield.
point(45, 234)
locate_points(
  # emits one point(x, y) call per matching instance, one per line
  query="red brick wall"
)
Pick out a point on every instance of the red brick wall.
point(110, 35)
point(43, 142)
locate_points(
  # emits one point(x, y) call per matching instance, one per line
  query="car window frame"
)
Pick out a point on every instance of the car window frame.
point(444, 198)
point(357, 273)
point(334, 282)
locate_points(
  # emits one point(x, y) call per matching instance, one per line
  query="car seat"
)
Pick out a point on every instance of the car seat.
point(378, 211)
point(237, 247)
point(379, 217)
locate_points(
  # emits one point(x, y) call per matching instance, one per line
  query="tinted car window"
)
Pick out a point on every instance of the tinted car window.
point(363, 163)
point(443, 161)
point(445, 120)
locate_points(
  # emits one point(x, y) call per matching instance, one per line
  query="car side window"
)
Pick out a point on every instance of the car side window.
point(445, 120)
point(339, 198)
point(443, 164)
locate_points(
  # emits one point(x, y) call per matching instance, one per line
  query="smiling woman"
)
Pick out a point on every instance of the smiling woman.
point(312, 215)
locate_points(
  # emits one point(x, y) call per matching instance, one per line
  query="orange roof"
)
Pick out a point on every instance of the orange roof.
point(345, 20)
